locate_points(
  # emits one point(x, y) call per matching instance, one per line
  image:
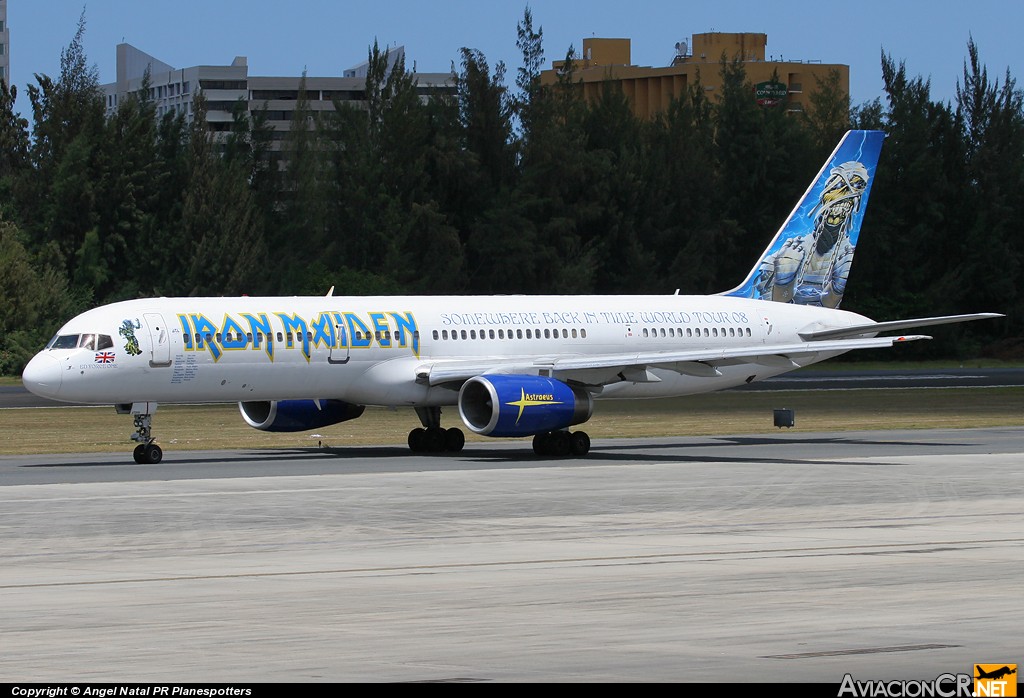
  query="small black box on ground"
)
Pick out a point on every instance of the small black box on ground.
point(785, 418)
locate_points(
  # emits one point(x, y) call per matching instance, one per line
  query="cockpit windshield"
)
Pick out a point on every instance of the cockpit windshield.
point(64, 341)
point(93, 342)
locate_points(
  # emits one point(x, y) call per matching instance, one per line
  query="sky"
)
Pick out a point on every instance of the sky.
point(324, 37)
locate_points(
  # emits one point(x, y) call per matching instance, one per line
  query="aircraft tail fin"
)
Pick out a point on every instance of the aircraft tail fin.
point(809, 259)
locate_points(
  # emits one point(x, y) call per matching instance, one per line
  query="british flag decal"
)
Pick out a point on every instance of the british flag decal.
point(105, 357)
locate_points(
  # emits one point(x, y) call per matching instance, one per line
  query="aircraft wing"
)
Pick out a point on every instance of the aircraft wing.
point(875, 327)
point(633, 366)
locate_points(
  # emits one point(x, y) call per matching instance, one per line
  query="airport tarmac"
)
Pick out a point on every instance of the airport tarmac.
point(780, 557)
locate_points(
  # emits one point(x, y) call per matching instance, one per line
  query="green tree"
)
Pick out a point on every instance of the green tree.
point(56, 202)
point(682, 186)
point(111, 258)
point(33, 302)
point(828, 116)
point(221, 246)
point(763, 165)
point(14, 141)
point(914, 214)
point(990, 266)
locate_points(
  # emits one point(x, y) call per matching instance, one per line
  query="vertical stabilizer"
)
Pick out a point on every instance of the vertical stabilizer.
point(809, 259)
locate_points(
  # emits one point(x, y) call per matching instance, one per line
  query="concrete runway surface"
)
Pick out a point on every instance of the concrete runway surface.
point(782, 557)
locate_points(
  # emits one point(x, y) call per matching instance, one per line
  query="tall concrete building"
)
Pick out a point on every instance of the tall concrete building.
point(5, 45)
point(777, 81)
point(173, 89)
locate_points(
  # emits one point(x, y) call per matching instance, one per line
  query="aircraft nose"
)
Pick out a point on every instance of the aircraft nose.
point(42, 376)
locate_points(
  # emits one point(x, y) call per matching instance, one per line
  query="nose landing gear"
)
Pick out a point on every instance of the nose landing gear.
point(147, 452)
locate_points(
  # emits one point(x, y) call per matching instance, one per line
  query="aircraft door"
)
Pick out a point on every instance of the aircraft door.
point(339, 353)
point(160, 339)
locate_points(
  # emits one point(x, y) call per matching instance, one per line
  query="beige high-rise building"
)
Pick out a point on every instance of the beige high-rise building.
point(777, 81)
point(5, 45)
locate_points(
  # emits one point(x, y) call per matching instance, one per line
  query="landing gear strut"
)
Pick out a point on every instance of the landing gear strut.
point(431, 438)
point(561, 443)
point(147, 452)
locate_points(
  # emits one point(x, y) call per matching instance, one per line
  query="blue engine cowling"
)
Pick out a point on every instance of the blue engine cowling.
point(297, 415)
point(500, 405)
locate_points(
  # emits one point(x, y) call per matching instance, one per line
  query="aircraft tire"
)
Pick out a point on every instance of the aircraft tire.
point(153, 454)
point(417, 440)
point(434, 440)
point(454, 440)
point(139, 454)
point(560, 444)
point(579, 443)
point(540, 443)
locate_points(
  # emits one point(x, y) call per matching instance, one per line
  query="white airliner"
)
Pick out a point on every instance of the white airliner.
point(514, 365)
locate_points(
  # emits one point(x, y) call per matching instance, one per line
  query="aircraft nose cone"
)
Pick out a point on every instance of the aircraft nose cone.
point(42, 376)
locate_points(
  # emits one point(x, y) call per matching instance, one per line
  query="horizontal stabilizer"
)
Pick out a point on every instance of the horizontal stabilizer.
point(876, 327)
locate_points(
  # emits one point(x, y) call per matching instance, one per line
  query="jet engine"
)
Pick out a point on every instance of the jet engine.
point(511, 405)
point(297, 415)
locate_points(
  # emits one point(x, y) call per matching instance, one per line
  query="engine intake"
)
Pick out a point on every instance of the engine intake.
point(499, 405)
point(297, 415)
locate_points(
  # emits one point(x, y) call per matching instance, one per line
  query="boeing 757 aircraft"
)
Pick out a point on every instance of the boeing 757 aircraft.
point(513, 365)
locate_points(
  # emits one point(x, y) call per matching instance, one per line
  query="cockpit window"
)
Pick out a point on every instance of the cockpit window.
point(64, 341)
point(92, 342)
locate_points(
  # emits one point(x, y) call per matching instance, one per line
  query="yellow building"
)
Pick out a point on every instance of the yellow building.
point(650, 90)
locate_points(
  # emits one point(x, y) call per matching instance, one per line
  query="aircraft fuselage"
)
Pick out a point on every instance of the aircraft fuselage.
point(368, 350)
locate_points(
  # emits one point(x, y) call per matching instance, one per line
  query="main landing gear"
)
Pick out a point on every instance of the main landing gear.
point(147, 452)
point(561, 443)
point(431, 437)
